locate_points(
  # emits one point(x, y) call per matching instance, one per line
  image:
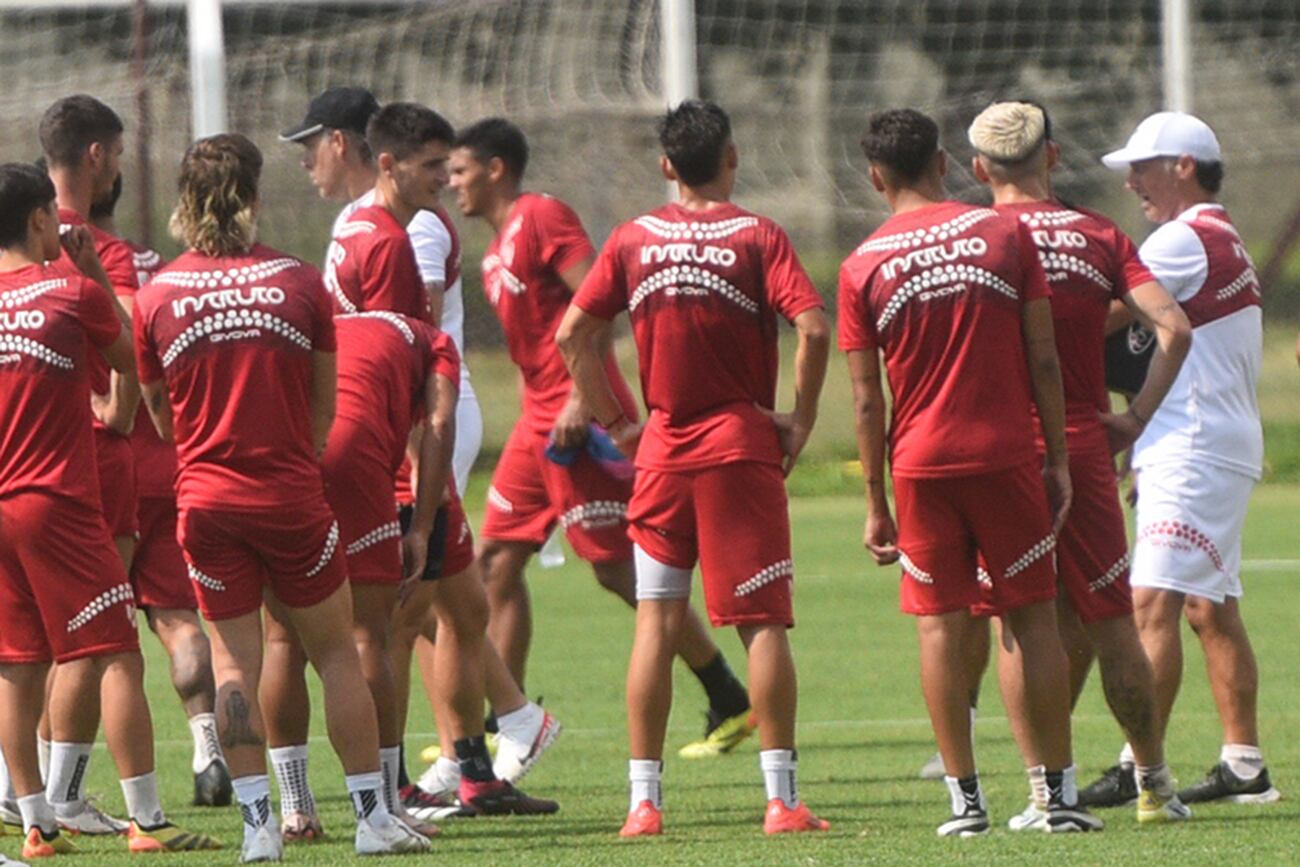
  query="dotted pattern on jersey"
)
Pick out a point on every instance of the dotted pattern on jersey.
point(101, 603)
point(695, 231)
point(1040, 549)
point(1246, 279)
point(1054, 260)
point(218, 279)
point(690, 275)
point(930, 235)
point(1217, 222)
point(1181, 535)
point(206, 580)
point(499, 502)
point(39, 351)
point(765, 576)
point(232, 320)
point(388, 316)
point(24, 294)
point(391, 530)
point(1110, 576)
point(327, 554)
point(939, 282)
point(149, 260)
point(355, 227)
point(1051, 219)
point(914, 571)
point(597, 513)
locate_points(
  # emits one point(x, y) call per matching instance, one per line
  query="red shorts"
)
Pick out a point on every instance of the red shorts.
point(950, 528)
point(530, 494)
point(231, 556)
point(64, 593)
point(359, 490)
point(115, 459)
point(734, 519)
point(1092, 549)
point(158, 572)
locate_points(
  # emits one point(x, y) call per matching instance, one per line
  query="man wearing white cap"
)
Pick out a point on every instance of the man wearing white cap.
point(1201, 452)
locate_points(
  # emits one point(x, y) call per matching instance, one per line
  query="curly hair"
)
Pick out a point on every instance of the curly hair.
point(216, 212)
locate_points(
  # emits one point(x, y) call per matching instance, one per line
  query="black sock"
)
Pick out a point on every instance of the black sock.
point(403, 779)
point(727, 696)
point(1055, 786)
point(490, 724)
point(970, 788)
point(472, 756)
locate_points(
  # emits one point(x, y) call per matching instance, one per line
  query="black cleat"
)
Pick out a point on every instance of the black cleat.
point(212, 787)
point(1221, 784)
point(974, 822)
point(499, 798)
point(1062, 819)
point(1117, 787)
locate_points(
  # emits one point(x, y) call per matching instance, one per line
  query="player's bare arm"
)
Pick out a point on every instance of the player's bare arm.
point(571, 424)
point(159, 406)
point(1156, 309)
point(435, 289)
point(324, 390)
point(432, 466)
point(1119, 316)
point(880, 536)
point(810, 361)
point(583, 340)
point(1049, 397)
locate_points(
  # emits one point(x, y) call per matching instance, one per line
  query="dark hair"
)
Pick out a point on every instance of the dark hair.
point(402, 128)
point(694, 136)
point(218, 192)
point(496, 137)
point(23, 189)
point(1209, 175)
point(104, 208)
point(903, 140)
point(73, 124)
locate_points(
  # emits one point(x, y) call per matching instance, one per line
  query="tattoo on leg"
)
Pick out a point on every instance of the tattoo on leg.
point(238, 730)
point(1133, 706)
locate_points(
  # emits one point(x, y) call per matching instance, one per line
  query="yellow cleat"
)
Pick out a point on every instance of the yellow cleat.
point(37, 845)
point(1152, 808)
point(721, 738)
point(168, 838)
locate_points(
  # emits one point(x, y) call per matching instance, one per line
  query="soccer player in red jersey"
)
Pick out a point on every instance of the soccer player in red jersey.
point(64, 595)
point(1089, 263)
point(703, 281)
point(158, 577)
point(235, 343)
point(954, 298)
point(531, 269)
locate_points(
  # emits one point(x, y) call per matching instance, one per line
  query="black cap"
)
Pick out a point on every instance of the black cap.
point(346, 108)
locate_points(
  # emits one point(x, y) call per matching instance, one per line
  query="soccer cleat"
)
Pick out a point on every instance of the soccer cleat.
point(646, 820)
point(1152, 808)
point(1116, 787)
point(1032, 818)
point(424, 829)
point(441, 780)
point(391, 838)
point(1062, 819)
point(973, 822)
point(92, 821)
point(516, 758)
point(302, 828)
point(9, 814)
point(9, 862)
point(499, 798)
point(721, 735)
point(933, 769)
point(38, 845)
point(428, 807)
point(212, 787)
point(264, 844)
point(168, 838)
point(780, 819)
point(1221, 784)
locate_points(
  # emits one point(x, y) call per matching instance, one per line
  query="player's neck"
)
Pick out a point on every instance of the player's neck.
point(905, 199)
point(1190, 198)
point(360, 180)
point(1022, 192)
point(705, 197)
point(71, 192)
point(20, 256)
point(499, 210)
point(105, 224)
point(387, 198)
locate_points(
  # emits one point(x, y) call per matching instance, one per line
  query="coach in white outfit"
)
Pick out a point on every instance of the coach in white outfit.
point(1201, 453)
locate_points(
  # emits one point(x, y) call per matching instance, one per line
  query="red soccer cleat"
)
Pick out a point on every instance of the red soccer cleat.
point(780, 819)
point(645, 821)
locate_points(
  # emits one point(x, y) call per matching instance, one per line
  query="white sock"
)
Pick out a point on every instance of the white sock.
point(957, 795)
point(142, 804)
point(366, 791)
point(1155, 778)
point(6, 782)
point(1126, 756)
point(646, 776)
point(779, 767)
point(448, 770)
point(254, 795)
point(43, 756)
point(207, 748)
point(37, 813)
point(522, 725)
point(1244, 760)
point(68, 764)
point(1038, 785)
point(389, 758)
point(290, 764)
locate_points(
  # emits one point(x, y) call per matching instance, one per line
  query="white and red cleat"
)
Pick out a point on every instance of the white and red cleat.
point(645, 821)
point(780, 819)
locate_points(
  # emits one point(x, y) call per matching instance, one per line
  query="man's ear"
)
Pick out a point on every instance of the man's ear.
point(942, 157)
point(385, 162)
point(877, 178)
point(978, 170)
point(731, 157)
point(1053, 154)
point(496, 169)
point(95, 155)
point(666, 166)
point(1185, 167)
point(339, 142)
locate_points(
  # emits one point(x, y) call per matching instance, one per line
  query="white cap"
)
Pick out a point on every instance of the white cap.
point(1167, 134)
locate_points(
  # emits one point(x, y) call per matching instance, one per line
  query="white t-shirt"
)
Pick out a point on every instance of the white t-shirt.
point(1211, 414)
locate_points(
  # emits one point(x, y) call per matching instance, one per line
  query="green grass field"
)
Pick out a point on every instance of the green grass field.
point(863, 734)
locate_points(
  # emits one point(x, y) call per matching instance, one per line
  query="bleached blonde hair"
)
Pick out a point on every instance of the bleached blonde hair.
point(1009, 132)
point(216, 213)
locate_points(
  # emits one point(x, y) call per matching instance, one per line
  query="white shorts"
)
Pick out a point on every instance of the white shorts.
point(1189, 522)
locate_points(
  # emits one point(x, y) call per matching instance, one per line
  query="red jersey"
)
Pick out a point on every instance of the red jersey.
point(939, 291)
point(233, 339)
point(371, 265)
point(702, 290)
point(52, 323)
point(1089, 262)
point(543, 237)
point(155, 460)
point(384, 361)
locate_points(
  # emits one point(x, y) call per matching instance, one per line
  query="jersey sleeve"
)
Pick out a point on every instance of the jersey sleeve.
point(789, 289)
point(1130, 270)
point(432, 244)
point(98, 316)
point(444, 359)
point(119, 263)
point(323, 336)
point(604, 290)
point(562, 242)
point(1176, 257)
point(392, 279)
point(855, 324)
point(146, 351)
point(1033, 284)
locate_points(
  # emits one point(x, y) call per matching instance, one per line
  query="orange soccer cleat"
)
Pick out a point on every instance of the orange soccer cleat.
point(645, 821)
point(780, 819)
